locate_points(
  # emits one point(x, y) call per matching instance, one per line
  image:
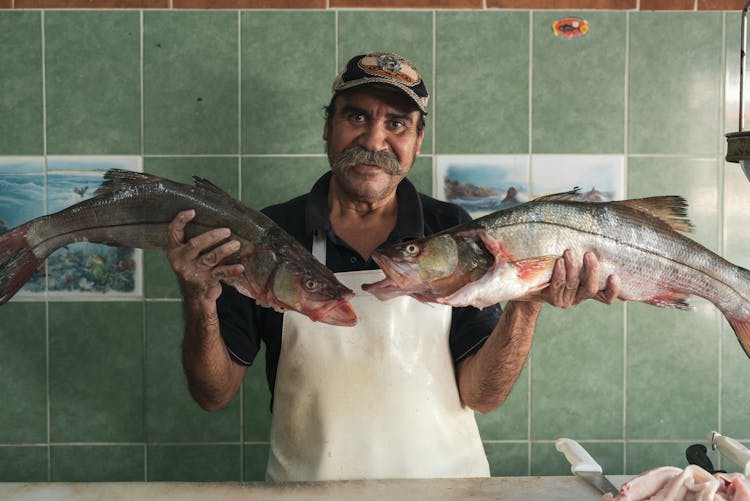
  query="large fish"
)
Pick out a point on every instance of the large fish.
point(510, 253)
point(133, 209)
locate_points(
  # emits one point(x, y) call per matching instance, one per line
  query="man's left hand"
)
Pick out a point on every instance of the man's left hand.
point(571, 283)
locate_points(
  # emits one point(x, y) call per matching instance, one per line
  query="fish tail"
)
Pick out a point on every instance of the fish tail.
point(742, 331)
point(17, 262)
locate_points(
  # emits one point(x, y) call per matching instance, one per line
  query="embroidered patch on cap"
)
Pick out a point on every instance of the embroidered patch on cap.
point(390, 66)
point(383, 68)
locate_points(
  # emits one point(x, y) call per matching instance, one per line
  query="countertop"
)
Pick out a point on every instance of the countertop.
point(502, 488)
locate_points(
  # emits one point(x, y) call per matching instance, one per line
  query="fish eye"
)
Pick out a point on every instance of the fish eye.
point(412, 249)
point(311, 284)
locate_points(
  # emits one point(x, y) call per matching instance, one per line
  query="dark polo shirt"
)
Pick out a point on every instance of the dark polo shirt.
point(244, 325)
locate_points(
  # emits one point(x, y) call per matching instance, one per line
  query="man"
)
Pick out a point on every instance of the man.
point(393, 396)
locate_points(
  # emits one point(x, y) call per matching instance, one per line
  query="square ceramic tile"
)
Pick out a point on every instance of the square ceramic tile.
point(171, 413)
point(675, 83)
point(23, 367)
point(190, 82)
point(547, 460)
point(194, 463)
point(288, 64)
point(23, 464)
point(481, 98)
point(256, 461)
point(96, 371)
point(262, 178)
point(672, 371)
point(733, 39)
point(696, 180)
point(21, 92)
point(97, 463)
point(507, 459)
point(407, 33)
point(578, 85)
point(159, 279)
point(93, 89)
point(577, 384)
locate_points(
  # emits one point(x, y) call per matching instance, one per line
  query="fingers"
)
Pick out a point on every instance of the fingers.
point(589, 282)
point(177, 227)
point(574, 281)
point(563, 282)
point(611, 290)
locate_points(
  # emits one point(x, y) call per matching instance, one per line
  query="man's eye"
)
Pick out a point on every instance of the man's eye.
point(357, 117)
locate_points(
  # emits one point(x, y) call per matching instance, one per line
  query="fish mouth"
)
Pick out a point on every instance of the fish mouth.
point(398, 279)
point(340, 313)
point(399, 276)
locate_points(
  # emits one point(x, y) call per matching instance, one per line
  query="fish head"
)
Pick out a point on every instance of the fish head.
point(431, 267)
point(308, 287)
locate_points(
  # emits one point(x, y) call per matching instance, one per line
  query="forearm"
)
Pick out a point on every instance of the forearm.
point(486, 377)
point(213, 377)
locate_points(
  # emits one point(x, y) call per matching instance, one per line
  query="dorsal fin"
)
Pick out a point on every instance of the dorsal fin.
point(119, 179)
point(205, 184)
point(560, 197)
point(671, 209)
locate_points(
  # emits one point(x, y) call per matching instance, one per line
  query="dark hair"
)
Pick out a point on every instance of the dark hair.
point(330, 109)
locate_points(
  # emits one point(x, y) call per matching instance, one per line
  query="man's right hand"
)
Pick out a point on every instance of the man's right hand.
point(199, 272)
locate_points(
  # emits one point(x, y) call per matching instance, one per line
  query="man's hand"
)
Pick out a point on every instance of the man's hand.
point(196, 269)
point(571, 283)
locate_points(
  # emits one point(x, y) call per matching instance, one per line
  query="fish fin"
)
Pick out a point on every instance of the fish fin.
point(742, 331)
point(531, 268)
point(671, 209)
point(205, 184)
point(119, 179)
point(562, 196)
point(674, 300)
point(17, 262)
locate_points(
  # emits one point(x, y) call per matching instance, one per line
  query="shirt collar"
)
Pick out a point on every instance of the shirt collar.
point(410, 223)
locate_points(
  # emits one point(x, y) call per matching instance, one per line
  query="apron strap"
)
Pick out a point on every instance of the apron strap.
point(319, 246)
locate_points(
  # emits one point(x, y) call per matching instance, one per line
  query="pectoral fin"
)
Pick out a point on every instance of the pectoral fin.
point(533, 268)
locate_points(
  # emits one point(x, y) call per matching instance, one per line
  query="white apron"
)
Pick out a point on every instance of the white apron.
point(378, 400)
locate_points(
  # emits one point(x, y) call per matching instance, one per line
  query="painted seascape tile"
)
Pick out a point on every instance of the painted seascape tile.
point(22, 199)
point(86, 270)
point(600, 178)
point(482, 184)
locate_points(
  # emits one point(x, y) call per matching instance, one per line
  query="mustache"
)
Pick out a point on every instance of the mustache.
point(359, 155)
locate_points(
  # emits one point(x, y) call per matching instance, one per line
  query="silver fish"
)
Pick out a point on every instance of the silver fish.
point(133, 209)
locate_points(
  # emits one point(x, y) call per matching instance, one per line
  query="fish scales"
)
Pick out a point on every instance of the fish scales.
point(609, 230)
point(135, 209)
point(633, 239)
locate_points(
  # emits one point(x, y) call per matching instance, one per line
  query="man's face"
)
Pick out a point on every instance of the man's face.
point(372, 139)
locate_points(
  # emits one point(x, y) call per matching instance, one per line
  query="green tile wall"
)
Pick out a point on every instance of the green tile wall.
point(95, 390)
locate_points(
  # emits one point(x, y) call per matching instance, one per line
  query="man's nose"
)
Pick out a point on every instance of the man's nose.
point(374, 137)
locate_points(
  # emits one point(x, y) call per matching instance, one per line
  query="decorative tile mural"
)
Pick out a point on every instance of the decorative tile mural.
point(80, 270)
point(482, 184)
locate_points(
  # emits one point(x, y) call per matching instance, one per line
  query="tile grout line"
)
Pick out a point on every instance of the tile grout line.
point(239, 191)
point(48, 376)
point(626, 150)
point(433, 162)
point(722, 217)
point(530, 358)
point(144, 326)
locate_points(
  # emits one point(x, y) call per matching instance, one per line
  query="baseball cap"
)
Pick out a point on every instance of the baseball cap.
point(384, 68)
